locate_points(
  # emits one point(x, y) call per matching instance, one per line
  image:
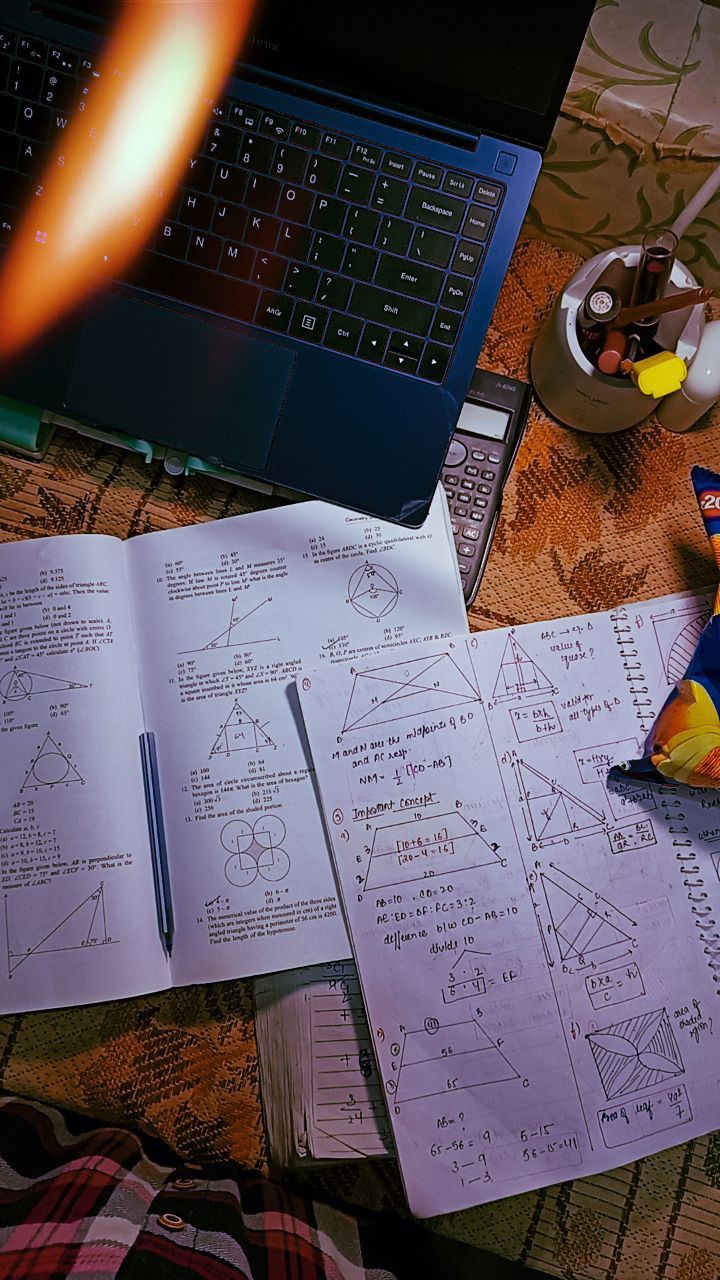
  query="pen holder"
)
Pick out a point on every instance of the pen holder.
point(569, 386)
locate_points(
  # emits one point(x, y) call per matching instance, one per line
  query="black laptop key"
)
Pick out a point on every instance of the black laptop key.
point(394, 235)
point(356, 184)
point(334, 145)
point(205, 250)
point(197, 211)
point(397, 166)
point(274, 126)
point(274, 312)
point(343, 334)
point(199, 174)
point(366, 156)
point(445, 327)
point(256, 153)
point(7, 42)
point(268, 270)
point(488, 192)
point(8, 112)
point(220, 110)
point(456, 293)
point(194, 285)
point(228, 220)
point(4, 72)
point(477, 223)
point(433, 247)
point(244, 117)
point(333, 291)
point(362, 225)
point(305, 135)
point(373, 343)
point(32, 157)
point(15, 189)
point(262, 230)
point(9, 222)
point(435, 209)
point(467, 258)
point(172, 239)
point(457, 184)
point(434, 362)
point(327, 251)
point(221, 143)
point(26, 80)
point(360, 262)
point(295, 203)
point(400, 361)
point(302, 281)
point(229, 183)
point(58, 92)
point(9, 147)
point(34, 50)
point(308, 322)
point(236, 260)
point(289, 164)
point(428, 175)
point(33, 121)
point(294, 241)
point(327, 214)
point(389, 194)
point(410, 277)
point(391, 309)
point(323, 174)
point(64, 61)
point(262, 194)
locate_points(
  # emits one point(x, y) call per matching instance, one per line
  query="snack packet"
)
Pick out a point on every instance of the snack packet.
point(684, 743)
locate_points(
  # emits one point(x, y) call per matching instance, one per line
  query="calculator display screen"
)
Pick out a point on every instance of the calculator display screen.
point(482, 420)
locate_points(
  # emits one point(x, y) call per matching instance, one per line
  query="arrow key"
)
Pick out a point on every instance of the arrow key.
point(396, 360)
point(434, 362)
point(406, 345)
point(373, 343)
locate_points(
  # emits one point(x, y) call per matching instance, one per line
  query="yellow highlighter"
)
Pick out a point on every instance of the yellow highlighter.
point(658, 375)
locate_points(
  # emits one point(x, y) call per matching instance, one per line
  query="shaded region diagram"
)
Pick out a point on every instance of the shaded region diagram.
point(373, 590)
point(518, 674)
point(429, 846)
point(677, 634)
point(551, 811)
point(236, 634)
point(585, 925)
point(638, 1053)
point(18, 684)
point(255, 850)
point(419, 686)
point(83, 927)
point(51, 767)
point(442, 1059)
point(240, 732)
point(466, 977)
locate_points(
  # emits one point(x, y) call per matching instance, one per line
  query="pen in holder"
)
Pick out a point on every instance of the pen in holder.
point(564, 359)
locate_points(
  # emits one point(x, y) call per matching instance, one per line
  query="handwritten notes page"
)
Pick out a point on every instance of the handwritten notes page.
point(226, 614)
point(537, 947)
point(77, 910)
point(321, 1093)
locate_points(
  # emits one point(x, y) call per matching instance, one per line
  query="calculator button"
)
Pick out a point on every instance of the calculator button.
point(477, 515)
point(478, 455)
point(484, 488)
point(464, 549)
point(463, 497)
point(471, 471)
point(494, 457)
point(480, 502)
point(455, 527)
point(488, 475)
point(467, 484)
point(450, 480)
point(456, 454)
point(471, 534)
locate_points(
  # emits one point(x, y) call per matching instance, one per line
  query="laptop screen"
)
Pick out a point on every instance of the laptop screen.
point(496, 68)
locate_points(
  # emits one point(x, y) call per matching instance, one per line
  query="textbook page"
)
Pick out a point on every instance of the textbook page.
point(78, 919)
point(226, 614)
point(537, 946)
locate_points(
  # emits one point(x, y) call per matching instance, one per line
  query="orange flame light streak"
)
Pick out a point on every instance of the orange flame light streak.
point(120, 158)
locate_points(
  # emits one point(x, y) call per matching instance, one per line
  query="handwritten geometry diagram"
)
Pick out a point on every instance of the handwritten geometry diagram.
point(677, 635)
point(373, 591)
point(232, 638)
point(254, 850)
point(240, 732)
point(518, 674)
point(441, 1059)
point(584, 924)
point(18, 684)
point(552, 812)
point(429, 846)
point(83, 927)
point(419, 686)
point(466, 978)
point(50, 767)
point(715, 859)
point(639, 1053)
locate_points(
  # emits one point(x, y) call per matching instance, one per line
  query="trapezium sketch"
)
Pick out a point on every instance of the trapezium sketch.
point(18, 684)
point(677, 635)
point(254, 850)
point(466, 977)
point(429, 846)
point(442, 1059)
point(418, 686)
point(518, 674)
point(51, 767)
point(373, 590)
point(240, 732)
point(581, 929)
point(230, 637)
point(553, 811)
point(83, 927)
point(639, 1053)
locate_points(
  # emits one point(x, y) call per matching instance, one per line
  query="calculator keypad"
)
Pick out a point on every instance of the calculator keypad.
point(469, 488)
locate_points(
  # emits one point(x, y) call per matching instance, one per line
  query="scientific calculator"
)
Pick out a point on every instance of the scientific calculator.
point(477, 464)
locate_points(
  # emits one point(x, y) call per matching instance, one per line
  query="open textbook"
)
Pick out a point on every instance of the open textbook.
point(538, 946)
point(185, 643)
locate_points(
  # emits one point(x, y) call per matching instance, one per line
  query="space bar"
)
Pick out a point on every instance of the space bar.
point(201, 288)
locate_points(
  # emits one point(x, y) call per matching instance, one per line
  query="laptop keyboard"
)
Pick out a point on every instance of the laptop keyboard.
point(279, 223)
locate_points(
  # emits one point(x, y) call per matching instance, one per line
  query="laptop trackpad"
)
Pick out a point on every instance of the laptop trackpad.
point(150, 372)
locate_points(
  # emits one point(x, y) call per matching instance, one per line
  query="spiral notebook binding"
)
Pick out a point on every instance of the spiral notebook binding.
point(634, 674)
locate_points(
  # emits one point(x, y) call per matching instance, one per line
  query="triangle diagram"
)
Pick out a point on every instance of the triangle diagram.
point(580, 930)
point(420, 686)
point(50, 767)
point(554, 811)
point(18, 684)
point(518, 673)
point(240, 732)
point(84, 926)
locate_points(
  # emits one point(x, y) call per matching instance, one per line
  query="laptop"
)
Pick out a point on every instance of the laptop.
point(309, 313)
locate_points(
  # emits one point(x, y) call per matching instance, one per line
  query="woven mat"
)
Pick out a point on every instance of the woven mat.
point(588, 522)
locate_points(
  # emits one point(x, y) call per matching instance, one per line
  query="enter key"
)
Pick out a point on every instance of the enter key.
point(409, 277)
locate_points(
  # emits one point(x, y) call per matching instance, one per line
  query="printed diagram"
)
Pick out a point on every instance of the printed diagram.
point(255, 850)
point(235, 635)
point(51, 767)
point(373, 591)
point(83, 927)
point(428, 846)
point(677, 634)
point(466, 977)
point(584, 924)
point(19, 684)
point(518, 674)
point(240, 732)
point(442, 1059)
point(419, 686)
point(636, 1054)
point(551, 812)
